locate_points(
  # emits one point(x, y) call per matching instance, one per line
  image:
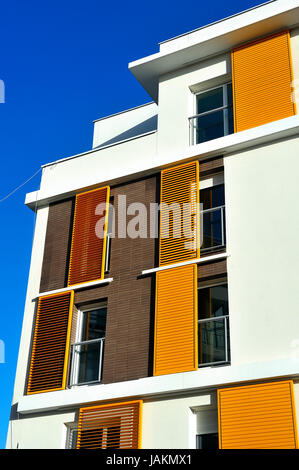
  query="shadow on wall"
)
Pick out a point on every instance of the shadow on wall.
point(148, 125)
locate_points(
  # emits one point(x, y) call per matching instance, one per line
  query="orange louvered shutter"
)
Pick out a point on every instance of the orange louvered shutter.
point(175, 348)
point(49, 358)
point(179, 217)
point(115, 426)
point(257, 417)
point(87, 259)
point(262, 81)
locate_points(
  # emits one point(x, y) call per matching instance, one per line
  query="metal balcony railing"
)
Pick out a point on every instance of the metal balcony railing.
point(212, 229)
point(213, 341)
point(210, 125)
point(87, 361)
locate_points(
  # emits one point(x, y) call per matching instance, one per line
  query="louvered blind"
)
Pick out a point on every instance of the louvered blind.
point(87, 259)
point(114, 426)
point(262, 81)
point(175, 348)
point(50, 347)
point(257, 417)
point(179, 218)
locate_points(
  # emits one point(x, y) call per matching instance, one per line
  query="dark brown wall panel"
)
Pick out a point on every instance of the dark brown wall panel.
point(57, 244)
point(129, 296)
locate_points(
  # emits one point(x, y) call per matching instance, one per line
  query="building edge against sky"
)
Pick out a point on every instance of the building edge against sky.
point(142, 343)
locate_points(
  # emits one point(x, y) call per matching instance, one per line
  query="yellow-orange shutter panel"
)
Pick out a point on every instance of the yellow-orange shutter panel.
point(262, 81)
point(175, 348)
point(257, 417)
point(179, 217)
point(49, 357)
point(115, 426)
point(87, 259)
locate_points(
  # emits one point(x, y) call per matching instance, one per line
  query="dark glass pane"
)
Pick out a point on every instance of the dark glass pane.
point(94, 324)
point(212, 197)
point(211, 341)
point(209, 127)
point(219, 298)
point(89, 362)
point(212, 229)
point(209, 100)
point(207, 441)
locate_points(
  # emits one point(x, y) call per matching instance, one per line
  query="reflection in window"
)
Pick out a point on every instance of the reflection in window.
point(213, 325)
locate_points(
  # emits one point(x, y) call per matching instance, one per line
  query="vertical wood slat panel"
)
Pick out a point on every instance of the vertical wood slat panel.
point(115, 426)
point(257, 417)
point(87, 258)
point(262, 81)
point(180, 186)
point(49, 358)
point(175, 348)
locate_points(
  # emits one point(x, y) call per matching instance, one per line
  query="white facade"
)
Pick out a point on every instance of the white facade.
point(261, 168)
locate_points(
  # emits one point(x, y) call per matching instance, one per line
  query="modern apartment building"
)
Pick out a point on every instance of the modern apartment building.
point(162, 308)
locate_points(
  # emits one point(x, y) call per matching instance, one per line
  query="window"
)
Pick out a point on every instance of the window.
point(88, 352)
point(207, 441)
point(214, 115)
point(213, 325)
point(212, 218)
point(206, 427)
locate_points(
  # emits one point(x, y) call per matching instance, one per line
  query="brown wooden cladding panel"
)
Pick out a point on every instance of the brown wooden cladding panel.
point(54, 268)
point(208, 167)
point(211, 270)
point(129, 296)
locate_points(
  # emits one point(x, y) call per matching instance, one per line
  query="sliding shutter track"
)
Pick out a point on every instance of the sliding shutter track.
point(87, 259)
point(262, 81)
point(115, 426)
point(179, 233)
point(49, 359)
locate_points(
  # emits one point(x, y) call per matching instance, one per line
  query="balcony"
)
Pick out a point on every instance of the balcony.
point(213, 341)
point(212, 229)
point(87, 362)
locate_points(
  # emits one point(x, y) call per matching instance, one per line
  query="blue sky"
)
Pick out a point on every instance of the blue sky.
point(65, 63)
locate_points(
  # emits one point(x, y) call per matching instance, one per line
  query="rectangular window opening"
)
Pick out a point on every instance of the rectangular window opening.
point(213, 325)
point(214, 115)
point(87, 353)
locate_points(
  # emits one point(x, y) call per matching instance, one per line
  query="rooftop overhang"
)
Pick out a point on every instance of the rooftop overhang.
point(212, 40)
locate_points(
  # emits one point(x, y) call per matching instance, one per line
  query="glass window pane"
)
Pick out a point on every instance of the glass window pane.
point(212, 197)
point(207, 441)
point(209, 127)
point(208, 100)
point(89, 362)
point(219, 298)
point(211, 341)
point(94, 324)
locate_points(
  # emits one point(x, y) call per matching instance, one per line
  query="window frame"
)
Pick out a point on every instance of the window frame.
point(224, 108)
point(220, 282)
point(74, 369)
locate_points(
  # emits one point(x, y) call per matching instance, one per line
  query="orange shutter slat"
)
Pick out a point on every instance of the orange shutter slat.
point(49, 357)
point(257, 417)
point(179, 238)
point(175, 348)
point(116, 426)
point(87, 258)
point(262, 81)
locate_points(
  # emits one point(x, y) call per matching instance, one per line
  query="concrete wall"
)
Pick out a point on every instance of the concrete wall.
point(262, 226)
point(39, 432)
point(177, 102)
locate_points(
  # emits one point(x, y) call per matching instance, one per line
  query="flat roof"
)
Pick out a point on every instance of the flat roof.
point(214, 39)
